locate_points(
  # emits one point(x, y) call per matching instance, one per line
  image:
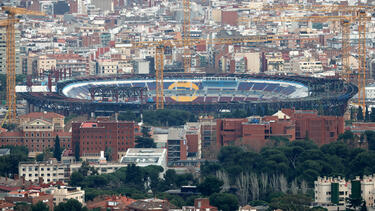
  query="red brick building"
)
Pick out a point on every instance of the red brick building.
point(321, 129)
point(254, 131)
point(37, 131)
point(292, 124)
point(99, 135)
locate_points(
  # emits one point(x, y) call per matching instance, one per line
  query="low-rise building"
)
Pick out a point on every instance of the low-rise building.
point(151, 204)
point(145, 157)
point(331, 192)
point(30, 196)
point(200, 204)
point(110, 203)
point(63, 193)
point(6, 205)
point(49, 171)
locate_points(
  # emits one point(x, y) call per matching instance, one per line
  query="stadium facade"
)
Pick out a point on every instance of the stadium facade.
point(195, 92)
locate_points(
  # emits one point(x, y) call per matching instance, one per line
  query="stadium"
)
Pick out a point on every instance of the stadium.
point(195, 92)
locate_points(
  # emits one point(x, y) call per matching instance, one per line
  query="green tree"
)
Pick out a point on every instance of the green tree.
point(224, 201)
point(9, 126)
point(360, 114)
point(77, 151)
point(291, 203)
point(70, 205)
point(9, 163)
point(57, 149)
point(145, 131)
point(22, 206)
point(127, 116)
point(40, 157)
point(134, 175)
point(76, 179)
point(355, 202)
point(370, 138)
point(40, 206)
point(151, 175)
point(372, 115)
point(210, 185)
point(108, 153)
point(144, 142)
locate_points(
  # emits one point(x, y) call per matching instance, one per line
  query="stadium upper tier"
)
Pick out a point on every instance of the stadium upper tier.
point(197, 90)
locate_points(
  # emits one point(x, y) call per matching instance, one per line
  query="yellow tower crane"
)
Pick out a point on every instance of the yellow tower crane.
point(186, 35)
point(358, 15)
point(9, 23)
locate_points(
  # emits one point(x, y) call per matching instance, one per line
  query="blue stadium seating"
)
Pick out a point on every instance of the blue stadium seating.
point(259, 86)
point(271, 87)
point(151, 85)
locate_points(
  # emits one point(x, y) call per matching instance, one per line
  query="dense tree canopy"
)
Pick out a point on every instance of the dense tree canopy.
point(57, 149)
point(168, 117)
point(40, 206)
point(70, 205)
point(210, 185)
point(296, 160)
point(224, 201)
point(144, 142)
point(9, 163)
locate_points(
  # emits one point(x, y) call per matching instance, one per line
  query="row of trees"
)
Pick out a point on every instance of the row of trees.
point(165, 117)
point(69, 205)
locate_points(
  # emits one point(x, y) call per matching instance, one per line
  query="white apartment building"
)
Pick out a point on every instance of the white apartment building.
point(47, 171)
point(50, 171)
point(331, 193)
point(329, 190)
point(310, 66)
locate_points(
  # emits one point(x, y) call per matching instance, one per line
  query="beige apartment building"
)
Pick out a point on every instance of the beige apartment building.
point(63, 193)
point(45, 63)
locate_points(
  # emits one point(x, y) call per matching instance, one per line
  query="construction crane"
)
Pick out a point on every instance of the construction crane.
point(359, 16)
point(186, 35)
point(9, 23)
point(160, 46)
